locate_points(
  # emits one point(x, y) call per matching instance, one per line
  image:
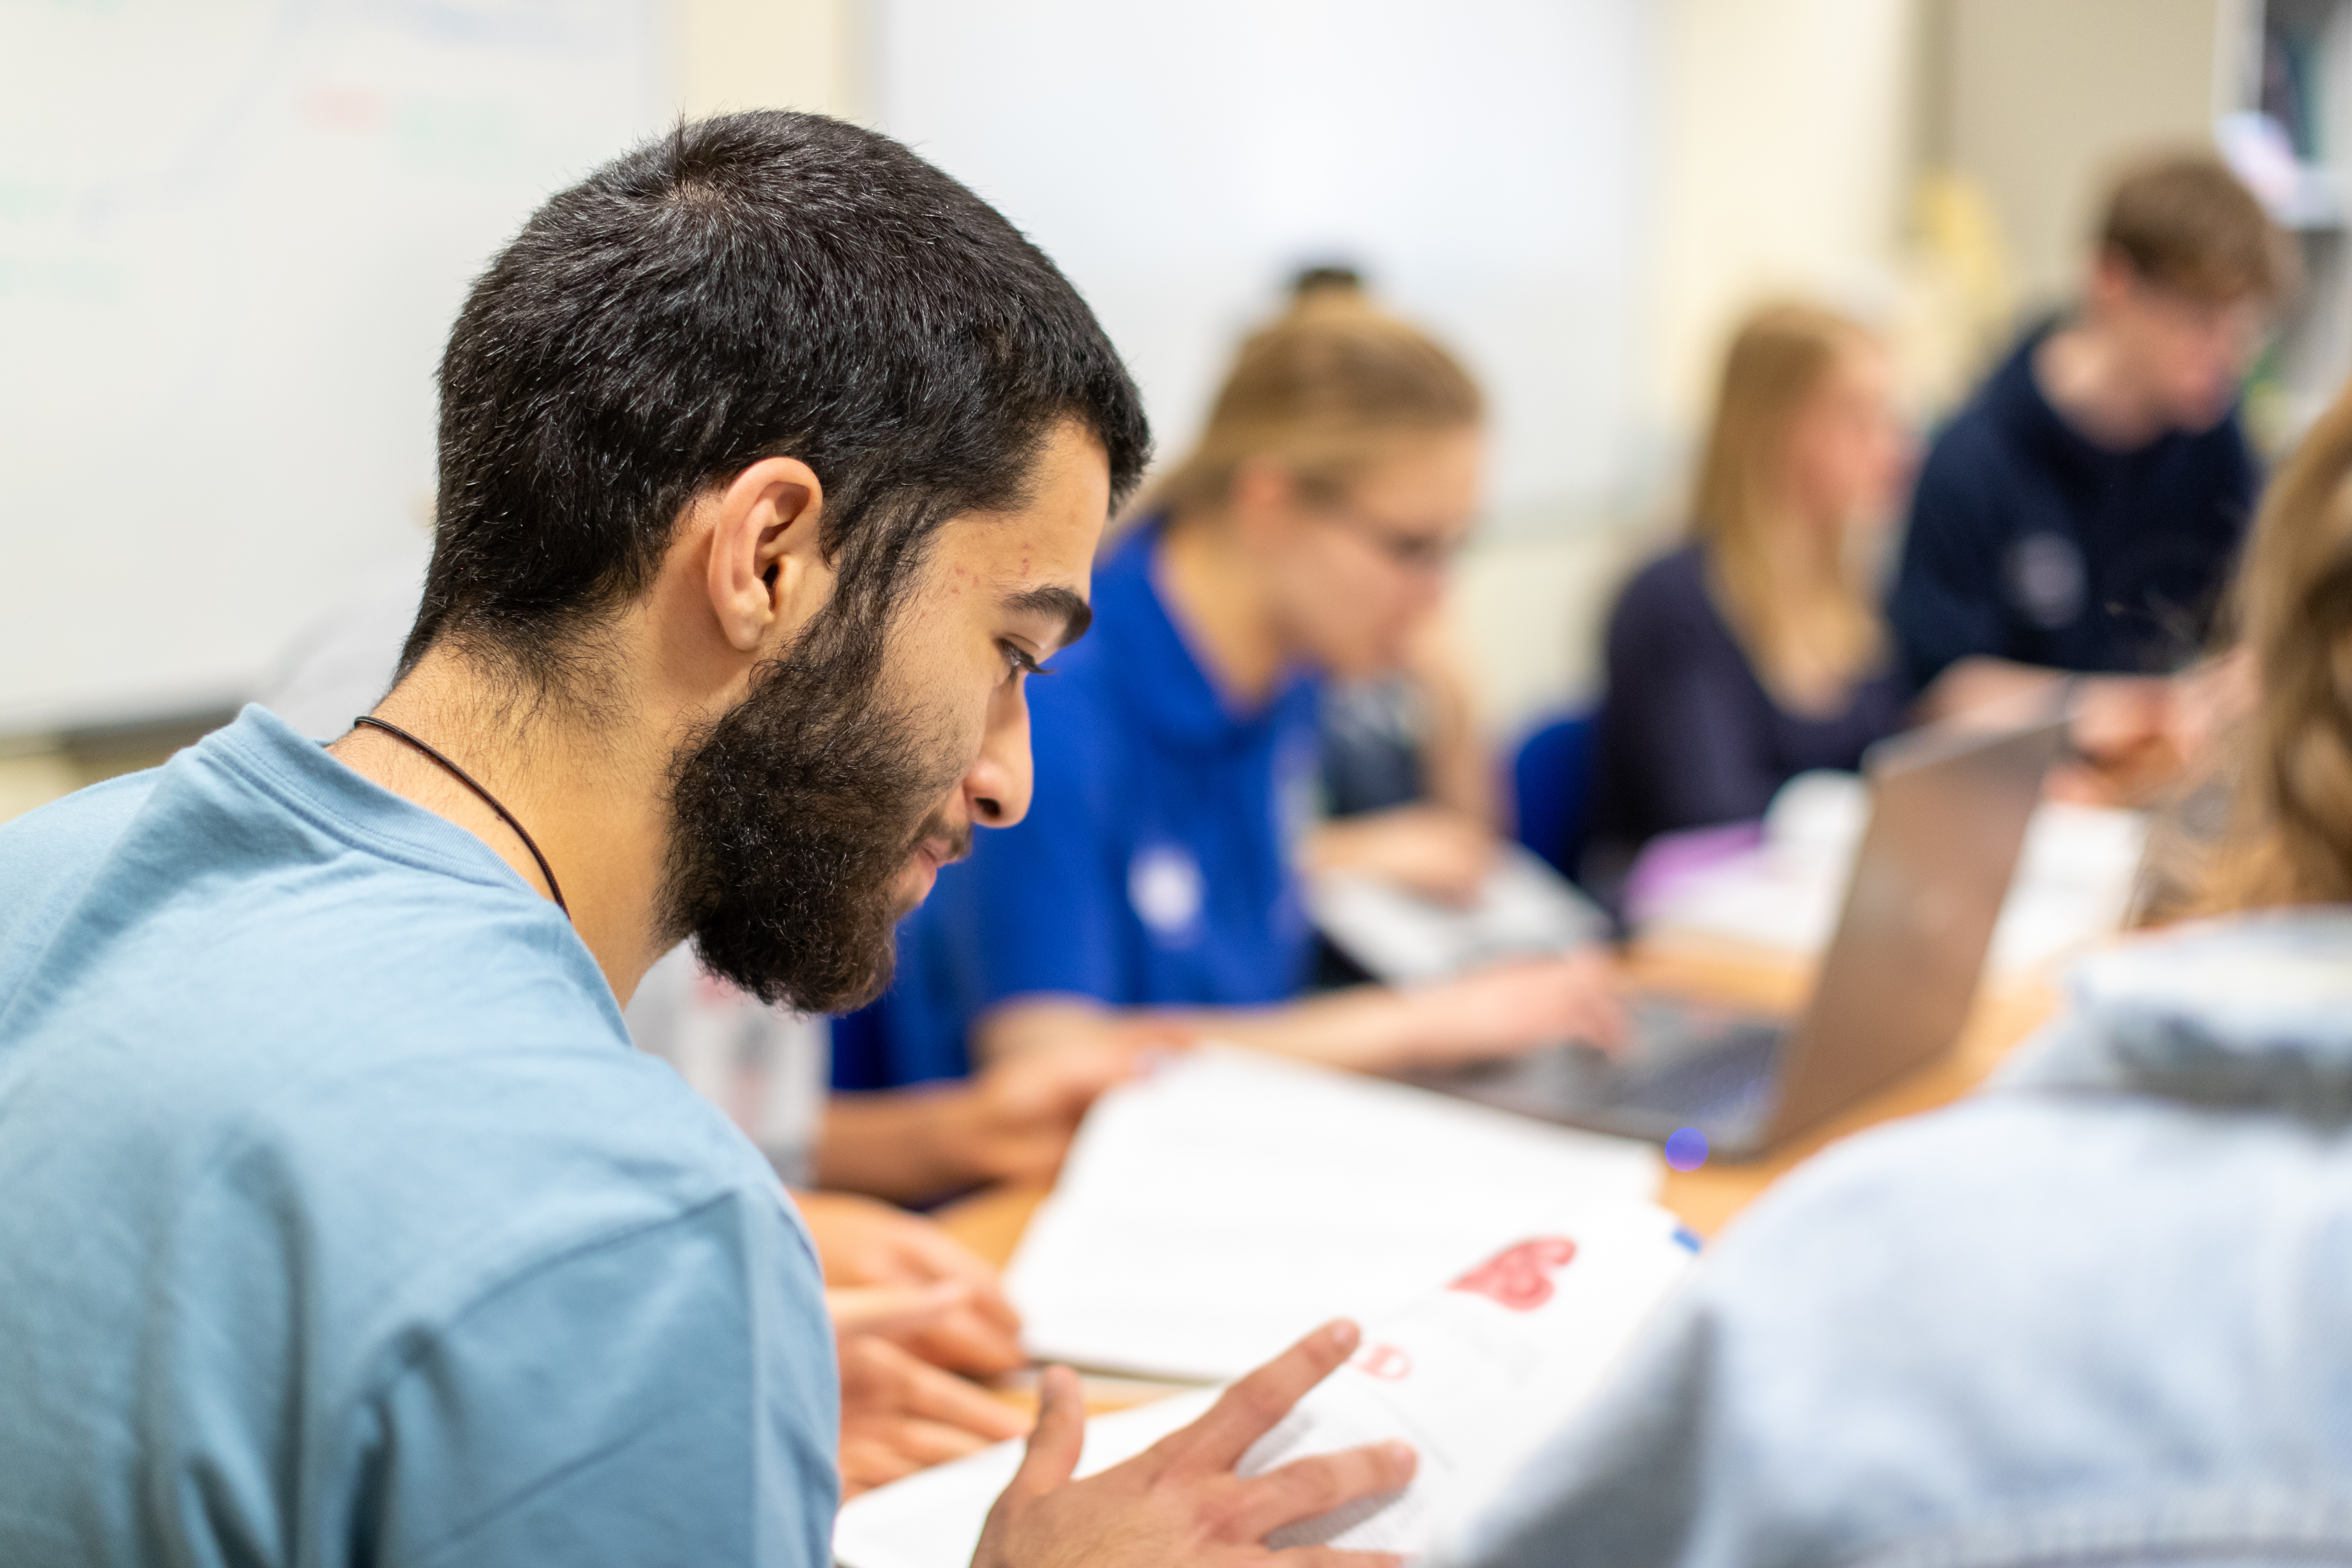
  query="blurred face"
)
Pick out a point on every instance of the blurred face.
point(2187, 356)
point(1349, 580)
point(1848, 453)
point(812, 815)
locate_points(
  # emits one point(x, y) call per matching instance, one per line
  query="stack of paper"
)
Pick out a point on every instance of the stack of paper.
point(1474, 1375)
point(1210, 1215)
point(2073, 886)
point(1524, 909)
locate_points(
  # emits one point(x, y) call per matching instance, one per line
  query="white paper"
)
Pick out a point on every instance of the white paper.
point(1477, 1374)
point(2073, 885)
point(1523, 907)
point(1474, 1374)
point(1212, 1214)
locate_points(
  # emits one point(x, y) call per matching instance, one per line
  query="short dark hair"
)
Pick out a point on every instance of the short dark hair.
point(750, 286)
point(2183, 220)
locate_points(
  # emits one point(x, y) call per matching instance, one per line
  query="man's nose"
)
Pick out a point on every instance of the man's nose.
point(1428, 591)
point(1000, 782)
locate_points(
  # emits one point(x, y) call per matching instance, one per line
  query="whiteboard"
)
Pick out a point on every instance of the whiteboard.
point(1487, 162)
point(233, 235)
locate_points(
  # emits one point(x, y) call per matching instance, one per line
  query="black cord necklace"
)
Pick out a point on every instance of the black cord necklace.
point(463, 777)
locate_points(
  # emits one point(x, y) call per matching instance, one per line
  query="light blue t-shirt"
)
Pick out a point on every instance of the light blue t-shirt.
point(340, 1224)
point(2099, 1313)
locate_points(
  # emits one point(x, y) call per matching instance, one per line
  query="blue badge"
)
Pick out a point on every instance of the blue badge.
point(2047, 579)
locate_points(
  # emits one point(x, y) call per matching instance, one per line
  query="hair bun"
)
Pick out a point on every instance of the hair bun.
point(1326, 283)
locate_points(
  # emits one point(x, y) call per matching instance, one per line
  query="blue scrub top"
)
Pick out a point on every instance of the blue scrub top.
point(2029, 542)
point(1155, 867)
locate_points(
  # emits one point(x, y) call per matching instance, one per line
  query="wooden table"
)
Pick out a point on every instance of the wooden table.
point(1707, 1199)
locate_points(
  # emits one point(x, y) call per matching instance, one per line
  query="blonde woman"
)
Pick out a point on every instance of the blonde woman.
point(2097, 1314)
point(1755, 651)
point(1154, 885)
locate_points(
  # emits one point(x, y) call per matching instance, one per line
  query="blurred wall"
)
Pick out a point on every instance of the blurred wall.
point(718, 55)
point(2038, 101)
point(1787, 135)
point(770, 53)
point(1784, 133)
point(1781, 137)
point(1485, 163)
point(233, 236)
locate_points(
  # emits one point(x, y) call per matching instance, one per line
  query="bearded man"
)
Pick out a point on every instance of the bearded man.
point(343, 1224)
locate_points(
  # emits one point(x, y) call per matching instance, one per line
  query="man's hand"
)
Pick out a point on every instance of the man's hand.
point(899, 1414)
point(1514, 1007)
point(1437, 853)
point(2126, 739)
point(2132, 735)
point(1012, 1122)
point(1015, 1120)
point(1179, 1501)
point(863, 1243)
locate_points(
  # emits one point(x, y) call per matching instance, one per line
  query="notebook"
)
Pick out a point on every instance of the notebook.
point(1524, 909)
point(1475, 1375)
point(1214, 1211)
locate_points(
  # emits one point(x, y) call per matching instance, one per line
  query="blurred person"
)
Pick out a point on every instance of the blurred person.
point(348, 1227)
point(2081, 513)
point(1155, 889)
point(1755, 652)
point(1408, 786)
point(2096, 1313)
point(1407, 775)
point(1405, 745)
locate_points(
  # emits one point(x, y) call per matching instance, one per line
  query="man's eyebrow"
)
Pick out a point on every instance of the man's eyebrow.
point(1054, 601)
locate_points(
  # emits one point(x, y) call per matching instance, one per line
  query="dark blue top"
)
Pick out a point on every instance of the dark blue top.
point(2028, 541)
point(1155, 865)
point(1689, 737)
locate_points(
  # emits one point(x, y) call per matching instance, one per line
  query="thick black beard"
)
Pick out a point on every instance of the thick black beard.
point(793, 816)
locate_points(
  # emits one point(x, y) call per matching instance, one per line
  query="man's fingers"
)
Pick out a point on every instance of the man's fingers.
point(1056, 1441)
point(964, 1343)
point(1249, 1409)
point(923, 1254)
point(1603, 1022)
point(894, 1309)
point(881, 1381)
point(922, 1443)
point(943, 1398)
point(1081, 1074)
point(926, 1253)
point(1598, 1001)
point(1332, 1557)
point(1307, 1488)
point(990, 1304)
point(865, 1464)
point(1137, 1046)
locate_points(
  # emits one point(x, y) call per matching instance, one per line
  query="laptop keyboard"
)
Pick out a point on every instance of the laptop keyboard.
point(1730, 1082)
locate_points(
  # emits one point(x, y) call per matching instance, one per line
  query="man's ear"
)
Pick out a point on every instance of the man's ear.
point(2113, 278)
point(768, 570)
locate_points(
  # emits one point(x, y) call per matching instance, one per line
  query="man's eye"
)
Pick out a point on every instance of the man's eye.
point(1018, 663)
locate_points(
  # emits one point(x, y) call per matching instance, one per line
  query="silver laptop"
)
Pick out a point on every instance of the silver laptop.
point(1950, 806)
